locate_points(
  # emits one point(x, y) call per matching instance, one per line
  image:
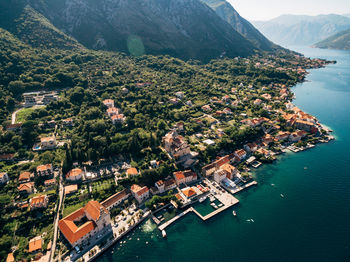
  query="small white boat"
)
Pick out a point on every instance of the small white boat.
point(163, 233)
point(202, 199)
point(234, 213)
point(272, 184)
point(282, 195)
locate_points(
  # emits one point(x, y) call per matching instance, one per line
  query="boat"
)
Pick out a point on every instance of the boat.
point(234, 213)
point(202, 199)
point(282, 195)
point(214, 205)
point(163, 233)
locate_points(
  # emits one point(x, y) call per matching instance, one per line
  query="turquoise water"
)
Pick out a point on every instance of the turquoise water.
point(311, 222)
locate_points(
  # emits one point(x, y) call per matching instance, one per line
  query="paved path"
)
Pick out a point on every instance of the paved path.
point(54, 242)
point(13, 117)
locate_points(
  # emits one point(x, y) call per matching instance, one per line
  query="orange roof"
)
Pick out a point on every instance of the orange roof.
point(24, 176)
point(74, 172)
point(240, 152)
point(228, 168)
point(2, 174)
point(10, 258)
point(35, 244)
point(94, 208)
point(132, 171)
point(50, 182)
point(43, 168)
point(38, 200)
point(70, 189)
point(189, 192)
point(108, 101)
point(139, 190)
point(112, 110)
point(47, 139)
point(179, 175)
point(113, 199)
point(26, 186)
point(69, 229)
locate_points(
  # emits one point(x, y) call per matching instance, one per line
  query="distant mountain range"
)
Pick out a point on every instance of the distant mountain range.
point(188, 29)
point(301, 29)
point(338, 41)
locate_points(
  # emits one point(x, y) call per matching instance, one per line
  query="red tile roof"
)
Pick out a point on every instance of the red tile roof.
point(43, 168)
point(35, 244)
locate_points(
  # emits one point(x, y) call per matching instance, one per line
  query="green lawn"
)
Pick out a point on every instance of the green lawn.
point(23, 114)
point(69, 209)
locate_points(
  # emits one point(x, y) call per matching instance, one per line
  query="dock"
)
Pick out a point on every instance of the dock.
point(156, 220)
point(163, 226)
point(240, 188)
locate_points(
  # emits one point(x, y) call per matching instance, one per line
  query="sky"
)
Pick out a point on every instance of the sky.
point(268, 9)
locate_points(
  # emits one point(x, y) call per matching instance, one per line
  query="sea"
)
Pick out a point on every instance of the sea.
point(300, 210)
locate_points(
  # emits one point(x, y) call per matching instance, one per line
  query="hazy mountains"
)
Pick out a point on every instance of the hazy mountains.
point(181, 28)
point(302, 30)
point(241, 25)
point(338, 41)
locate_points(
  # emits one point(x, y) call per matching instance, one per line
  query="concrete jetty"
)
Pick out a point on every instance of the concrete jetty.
point(163, 226)
point(240, 188)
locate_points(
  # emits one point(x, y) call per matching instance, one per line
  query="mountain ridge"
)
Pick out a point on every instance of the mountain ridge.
point(339, 41)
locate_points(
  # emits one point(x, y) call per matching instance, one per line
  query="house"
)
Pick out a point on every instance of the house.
point(113, 111)
point(108, 103)
point(189, 192)
point(7, 157)
point(75, 174)
point(169, 184)
point(115, 200)
point(85, 223)
point(251, 147)
point(70, 189)
point(179, 177)
point(258, 102)
point(49, 183)
point(206, 108)
point(304, 125)
point(282, 136)
point(175, 145)
point(35, 245)
point(68, 122)
point(140, 193)
point(14, 127)
point(219, 175)
point(38, 202)
point(4, 178)
point(25, 177)
point(44, 170)
point(267, 139)
point(160, 186)
point(26, 188)
point(132, 172)
point(211, 168)
point(10, 258)
point(229, 170)
point(174, 100)
point(241, 154)
point(182, 177)
point(119, 118)
point(180, 94)
point(48, 142)
point(294, 137)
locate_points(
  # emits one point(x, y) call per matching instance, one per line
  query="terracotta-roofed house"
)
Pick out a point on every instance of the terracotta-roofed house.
point(48, 142)
point(70, 189)
point(132, 171)
point(189, 192)
point(179, 177)
point(44, 170)
point(229, 170)
point(160, 186)
point(35, 245)
point(241, 154)
point(108, 103)
point(113, 111)
point(115, 199)
point(38, 202)
point(75, 174)
point(25, 177)
point(26, 188)
point(251, 147)
point(140, 193)
point(50, 183)
point(94, 217)
point(10, 258)
point(4, 178)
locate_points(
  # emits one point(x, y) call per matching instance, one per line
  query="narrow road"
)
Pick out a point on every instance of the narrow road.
point(54, 242)
point(13, 117)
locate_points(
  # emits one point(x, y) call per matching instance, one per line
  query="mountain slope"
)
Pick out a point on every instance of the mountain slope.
point(301, 29)
point(338, 41)
point(34, 29)
point(181, 28)
point(241, 25)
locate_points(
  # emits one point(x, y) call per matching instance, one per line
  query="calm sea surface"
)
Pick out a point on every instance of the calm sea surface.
point(311, 222)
